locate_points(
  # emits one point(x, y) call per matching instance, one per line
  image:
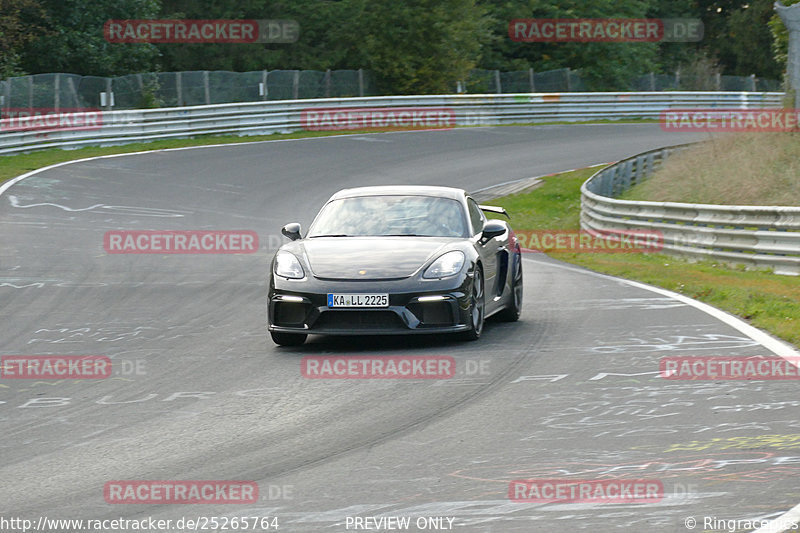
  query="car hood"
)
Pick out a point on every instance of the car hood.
point(371, 258)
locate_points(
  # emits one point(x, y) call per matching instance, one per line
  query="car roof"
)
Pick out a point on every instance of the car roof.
point(389, 190)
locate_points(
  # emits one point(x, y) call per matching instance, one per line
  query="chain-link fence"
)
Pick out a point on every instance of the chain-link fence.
point(694, 82)
point(175, 89)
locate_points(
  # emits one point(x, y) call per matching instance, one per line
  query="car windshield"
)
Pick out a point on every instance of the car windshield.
point(420, 216)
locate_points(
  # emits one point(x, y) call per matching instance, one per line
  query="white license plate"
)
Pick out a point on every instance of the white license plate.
point(358, 300)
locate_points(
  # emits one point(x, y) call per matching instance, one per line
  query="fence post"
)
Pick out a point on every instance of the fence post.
point(531, 80)
point(753, 82)
point(327, 83)
point(296, 85)
point(109, 94)
point(178, 89)
point(497, 86)
point(652, 81)
point(56, 92)
point(361, 83)
point(569, 82)
point(678, 79)
point(30, 92)
point(265, 90)
point(718, 81)
point(75, 98)
point(8, 94)
point(205, 87)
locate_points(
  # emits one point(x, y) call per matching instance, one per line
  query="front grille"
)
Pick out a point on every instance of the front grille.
point(345, 320)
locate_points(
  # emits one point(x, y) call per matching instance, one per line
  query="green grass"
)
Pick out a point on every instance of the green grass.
point(767, 301)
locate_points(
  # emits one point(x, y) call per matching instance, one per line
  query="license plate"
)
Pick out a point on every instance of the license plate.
point(358, 300)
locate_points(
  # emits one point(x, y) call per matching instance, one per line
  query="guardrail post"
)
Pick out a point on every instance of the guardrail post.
point(640, 171)
point(531, 80)
point(205, 87)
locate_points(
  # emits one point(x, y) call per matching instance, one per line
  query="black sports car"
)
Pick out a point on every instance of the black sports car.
point(394, 260)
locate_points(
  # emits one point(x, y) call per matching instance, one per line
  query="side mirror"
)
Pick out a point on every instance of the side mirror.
point(492, 229)
point(292, 231)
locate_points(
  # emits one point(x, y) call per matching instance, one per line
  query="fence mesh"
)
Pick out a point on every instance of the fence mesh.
point(171, 89)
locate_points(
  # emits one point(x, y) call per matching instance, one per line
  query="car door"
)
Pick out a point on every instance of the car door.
point(489, 252)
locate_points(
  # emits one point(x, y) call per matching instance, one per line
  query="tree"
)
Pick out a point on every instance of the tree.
point(603, 66)
point(20, 23)
point(74, 42)
point(422, 46)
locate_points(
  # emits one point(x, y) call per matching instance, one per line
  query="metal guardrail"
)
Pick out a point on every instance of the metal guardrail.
point(283, 116)
point(757, 236)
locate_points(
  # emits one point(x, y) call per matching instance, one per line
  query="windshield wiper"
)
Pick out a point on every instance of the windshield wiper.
point(330, 235)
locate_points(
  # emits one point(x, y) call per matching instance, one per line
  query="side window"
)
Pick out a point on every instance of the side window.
point(476, 217)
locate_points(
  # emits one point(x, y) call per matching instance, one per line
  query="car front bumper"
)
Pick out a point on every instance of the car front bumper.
point(416, 306)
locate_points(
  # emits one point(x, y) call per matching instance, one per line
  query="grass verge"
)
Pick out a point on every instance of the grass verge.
point(740, 169)
point(765, 300)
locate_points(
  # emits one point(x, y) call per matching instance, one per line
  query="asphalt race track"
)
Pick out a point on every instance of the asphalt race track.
point(200, 392)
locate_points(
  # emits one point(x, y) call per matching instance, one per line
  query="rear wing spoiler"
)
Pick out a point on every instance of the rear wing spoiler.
point(493, 209)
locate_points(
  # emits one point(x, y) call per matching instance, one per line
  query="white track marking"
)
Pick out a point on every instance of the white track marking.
point(774, 345)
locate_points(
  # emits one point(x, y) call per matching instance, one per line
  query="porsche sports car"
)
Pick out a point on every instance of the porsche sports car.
point(392, 260)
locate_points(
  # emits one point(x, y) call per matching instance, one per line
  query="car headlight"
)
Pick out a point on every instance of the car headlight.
point(446, 265)
point(288, 266)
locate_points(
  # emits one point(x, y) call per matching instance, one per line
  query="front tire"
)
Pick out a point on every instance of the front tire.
point(477, 307)
point(512, 312)
point(288, 339)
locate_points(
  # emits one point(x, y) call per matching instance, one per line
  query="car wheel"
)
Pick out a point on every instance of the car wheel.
point(477, 307)
point(288, 339)
point(512, 312)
